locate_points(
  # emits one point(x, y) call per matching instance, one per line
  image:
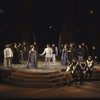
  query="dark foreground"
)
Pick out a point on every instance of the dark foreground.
point(88, 90)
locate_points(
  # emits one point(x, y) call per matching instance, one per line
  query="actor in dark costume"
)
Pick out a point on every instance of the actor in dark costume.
point(53, 53)
point(89, 68)
point(80, 53)
point(19, 48)
point(74, 70)
point(16, 58)
point(70, 52)
point(60, 50)
point(85, 51)
point(25, 51)
point(82, 71)
point(68, 74)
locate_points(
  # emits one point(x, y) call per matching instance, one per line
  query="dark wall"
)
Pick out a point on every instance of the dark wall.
point(21, 19)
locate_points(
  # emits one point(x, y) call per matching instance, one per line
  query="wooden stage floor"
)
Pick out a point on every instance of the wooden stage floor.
point(42, 68)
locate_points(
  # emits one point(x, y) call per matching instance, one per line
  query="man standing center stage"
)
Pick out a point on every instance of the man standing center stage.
point(48, 54)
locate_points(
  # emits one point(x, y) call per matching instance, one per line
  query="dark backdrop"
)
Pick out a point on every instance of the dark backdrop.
point(22, 20)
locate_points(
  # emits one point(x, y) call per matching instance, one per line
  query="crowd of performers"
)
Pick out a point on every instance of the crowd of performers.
point(78, 59)
point(79, 71)
point(17, 53)
point(23, 51)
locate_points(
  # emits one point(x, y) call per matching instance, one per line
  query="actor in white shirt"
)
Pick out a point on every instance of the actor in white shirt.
point(8, 54)
point(48, 54)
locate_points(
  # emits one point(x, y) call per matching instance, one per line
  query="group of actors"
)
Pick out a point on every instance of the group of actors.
point(16, 53)
point(78, 60)
point(79, 71)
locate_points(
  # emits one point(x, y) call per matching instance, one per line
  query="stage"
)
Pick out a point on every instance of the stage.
point(42, 76)
point(41, 67)
point(20, 90)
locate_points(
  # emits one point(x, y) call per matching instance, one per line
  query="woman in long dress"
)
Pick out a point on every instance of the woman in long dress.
point(64, 55)
point(32, 58)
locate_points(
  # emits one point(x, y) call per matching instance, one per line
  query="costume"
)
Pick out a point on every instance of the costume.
point(89, 69)
point(8, 55)
point(64, 56)
point(48, 54)
point(32, 59)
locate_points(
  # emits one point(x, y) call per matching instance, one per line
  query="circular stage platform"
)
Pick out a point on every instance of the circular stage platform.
point(44, 76)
